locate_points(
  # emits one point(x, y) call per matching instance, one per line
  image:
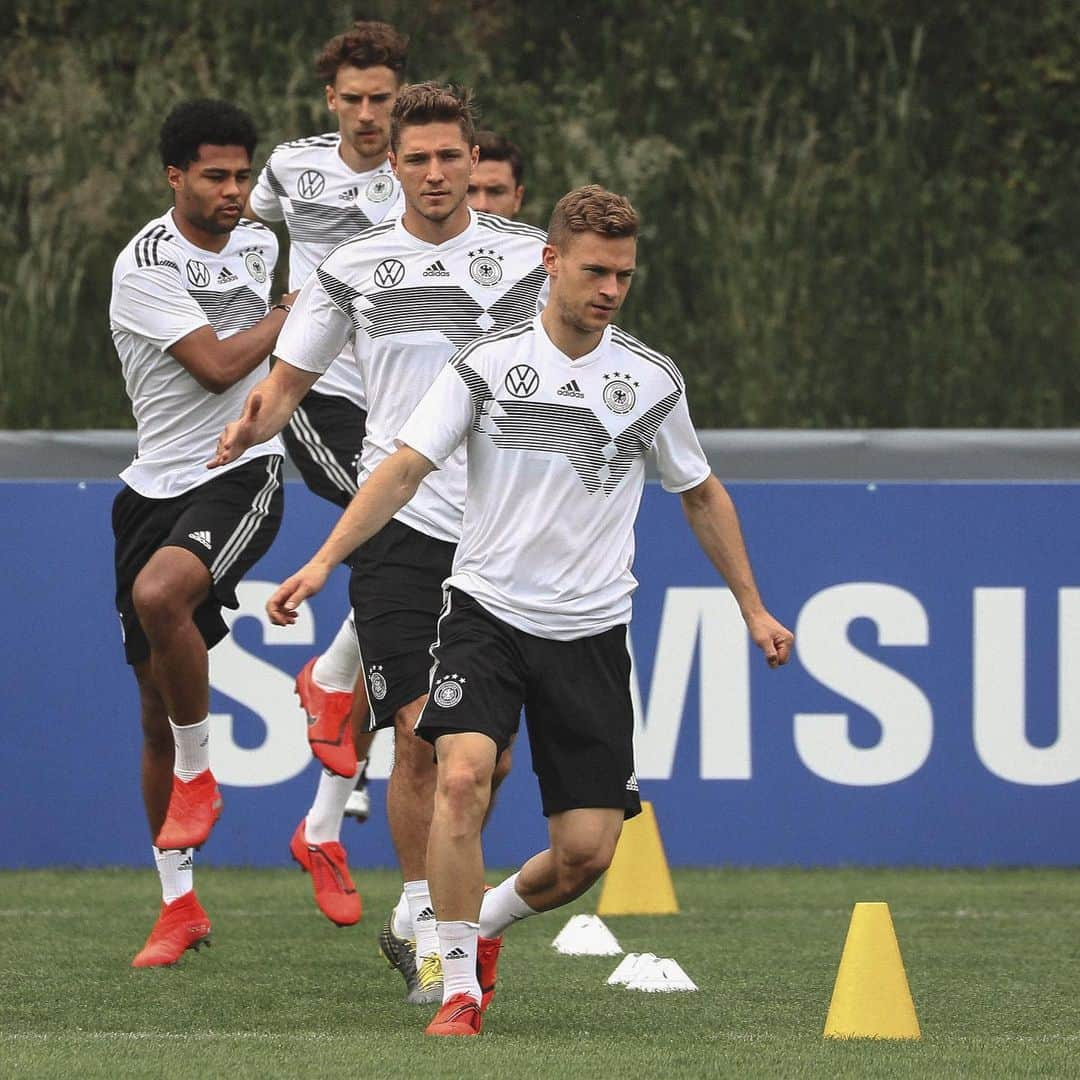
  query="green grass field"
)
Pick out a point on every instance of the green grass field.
point(992, 959)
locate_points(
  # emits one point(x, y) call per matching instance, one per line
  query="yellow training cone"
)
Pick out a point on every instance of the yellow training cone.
point(638, 881)
point(871, 999)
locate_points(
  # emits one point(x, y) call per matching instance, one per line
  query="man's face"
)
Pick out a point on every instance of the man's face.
point(433, 163)
point(492, 189)
point(362, 99)
point(211, 191)
point(590, 277)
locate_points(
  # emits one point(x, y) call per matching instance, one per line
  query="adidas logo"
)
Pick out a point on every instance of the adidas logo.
point(350, 195)
point(631, 784)
point(436, 269)
point(456, 954)
point(201, 537)
point(427, 914)
point(571, 389)
point(184, 864)
point(225, 276)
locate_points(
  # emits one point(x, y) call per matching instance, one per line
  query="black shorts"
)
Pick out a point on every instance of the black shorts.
point(576, 696)
point(228, 523)
point(324, 438)
point(396, 593)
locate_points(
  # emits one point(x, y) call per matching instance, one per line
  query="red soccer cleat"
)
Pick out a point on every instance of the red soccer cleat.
point(458, 1016)
point(329, 733)
point(335, 892)
point(194, 806)
point(487, 958)
point(181, 925)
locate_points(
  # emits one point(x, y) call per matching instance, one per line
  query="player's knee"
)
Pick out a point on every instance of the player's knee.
point(154, 601)
point(463, 790)
point(581, 865)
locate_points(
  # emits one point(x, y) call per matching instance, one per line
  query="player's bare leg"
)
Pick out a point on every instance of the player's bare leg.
point(358, 805)
point(165, 594)
point(182, 923)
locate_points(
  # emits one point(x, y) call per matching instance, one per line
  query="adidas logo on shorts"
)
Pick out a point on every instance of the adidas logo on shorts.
point(201, 537)
point(571, 389)
point(436, 269)
point(631, 784)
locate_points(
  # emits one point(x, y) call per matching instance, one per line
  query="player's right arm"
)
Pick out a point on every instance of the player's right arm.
point(314, 334)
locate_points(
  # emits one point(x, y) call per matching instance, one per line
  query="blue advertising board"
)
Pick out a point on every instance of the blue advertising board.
point(929, 716)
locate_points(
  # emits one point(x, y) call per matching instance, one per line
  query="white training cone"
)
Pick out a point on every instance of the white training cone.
point(629, 966)
point(586, 935)
point(661, 977)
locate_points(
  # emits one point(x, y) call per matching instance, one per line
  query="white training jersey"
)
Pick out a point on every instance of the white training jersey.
point(406, 306)
point(163, 288)
point(556, 469)
point(323, 202)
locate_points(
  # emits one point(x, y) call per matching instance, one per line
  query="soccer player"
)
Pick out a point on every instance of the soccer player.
point(558, 414)
point(406, 295)
point(193, 326)
point(327, 189)
point(497, 185)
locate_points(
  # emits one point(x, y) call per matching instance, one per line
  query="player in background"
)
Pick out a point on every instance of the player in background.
point(558, 414)
point(328, 188)
point(191, 319)
point(405, 295)
point(498, 181)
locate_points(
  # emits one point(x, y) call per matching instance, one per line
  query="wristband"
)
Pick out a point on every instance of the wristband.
point(282, 307)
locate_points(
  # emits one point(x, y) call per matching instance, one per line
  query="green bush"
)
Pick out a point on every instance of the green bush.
point(856, 213)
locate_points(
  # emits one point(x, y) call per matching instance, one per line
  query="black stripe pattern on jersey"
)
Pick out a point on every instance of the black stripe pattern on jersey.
point(449, 309)
point(600, 460)
point(276, 185)
point(147, 252)
point(631, 344)
point(315, 223)
point(229, 312)
point(505, 225)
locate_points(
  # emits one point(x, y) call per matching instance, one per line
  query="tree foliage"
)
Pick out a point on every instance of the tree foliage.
point(857, 212)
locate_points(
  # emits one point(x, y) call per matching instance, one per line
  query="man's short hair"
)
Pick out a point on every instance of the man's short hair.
point(591, 209)
point(206, 120)
point(364, 45)
point(430, 103)
point(495, 147)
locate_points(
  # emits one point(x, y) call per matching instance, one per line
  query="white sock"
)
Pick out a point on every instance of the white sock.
point(339, 667)
point(323, 822)
point(192, 749)
point(402, 919)
point(175, 869)
point(423, 918)
point(457, 946)
point(501, 907)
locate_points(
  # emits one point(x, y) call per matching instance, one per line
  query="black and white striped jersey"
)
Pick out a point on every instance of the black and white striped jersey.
point(163, 288)
point(323, 202)
point(406, 307)
point(556, 468)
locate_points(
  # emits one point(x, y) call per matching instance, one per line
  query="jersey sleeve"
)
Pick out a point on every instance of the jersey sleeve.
point(316, 330)
point(265, 202)
point(441, 420)
point(677, 452)
point(151, 302)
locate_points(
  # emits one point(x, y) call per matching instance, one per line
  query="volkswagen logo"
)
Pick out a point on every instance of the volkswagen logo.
point(389, 273)
point(198, 273)
point(311, 184)
point(522, 381)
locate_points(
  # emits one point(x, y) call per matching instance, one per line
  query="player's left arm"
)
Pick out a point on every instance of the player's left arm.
point(713, 518)
point(390, 486)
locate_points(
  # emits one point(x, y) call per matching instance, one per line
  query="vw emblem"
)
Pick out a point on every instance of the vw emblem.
point(389, 273)
point(198, 273)
point(484, 270)
point(311, 184)
point(380, 189)
point(522, 381)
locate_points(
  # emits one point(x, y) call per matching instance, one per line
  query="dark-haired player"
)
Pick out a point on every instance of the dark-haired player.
point(404, 296)
point(193, 326)
point(498, 181)
point(328, 188)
